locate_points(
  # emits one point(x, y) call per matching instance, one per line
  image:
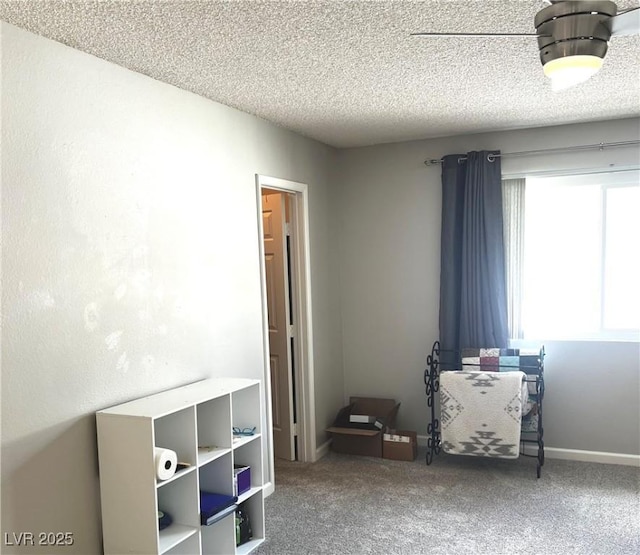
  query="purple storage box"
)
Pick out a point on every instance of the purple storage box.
point(241, 479)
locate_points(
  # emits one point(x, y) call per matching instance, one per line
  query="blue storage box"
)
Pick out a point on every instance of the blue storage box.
point(241, 479)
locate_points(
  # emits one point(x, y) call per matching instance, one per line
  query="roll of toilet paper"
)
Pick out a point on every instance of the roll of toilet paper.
point(165, 461)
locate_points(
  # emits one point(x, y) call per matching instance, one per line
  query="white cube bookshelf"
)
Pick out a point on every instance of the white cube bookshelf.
point(196, 422)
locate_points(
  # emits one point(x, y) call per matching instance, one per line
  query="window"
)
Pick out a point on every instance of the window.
point(581, 263)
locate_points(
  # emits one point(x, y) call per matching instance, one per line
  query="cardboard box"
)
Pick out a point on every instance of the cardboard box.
point(363, 438)
point(241, 479)
point(400, 445)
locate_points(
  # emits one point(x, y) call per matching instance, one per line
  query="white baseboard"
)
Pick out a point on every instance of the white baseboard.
point(576, 455)
point(592, 456)
point(268, 489)
point(322, 450)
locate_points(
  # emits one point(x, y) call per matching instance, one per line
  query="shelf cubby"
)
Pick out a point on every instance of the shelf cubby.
point(177, 431)
point(214, 428)
point(179, 500)
point(246, 408)
point(217, 475)
point(254, 507)
point(220, 537)
point(250, 454)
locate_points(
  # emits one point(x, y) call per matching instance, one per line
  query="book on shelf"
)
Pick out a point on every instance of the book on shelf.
point(220, 515)
point(212, 504)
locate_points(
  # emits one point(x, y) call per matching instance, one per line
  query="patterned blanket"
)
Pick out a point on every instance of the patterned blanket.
point(481, 413)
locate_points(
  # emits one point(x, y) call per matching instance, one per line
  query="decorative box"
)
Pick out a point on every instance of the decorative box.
point(241, 479)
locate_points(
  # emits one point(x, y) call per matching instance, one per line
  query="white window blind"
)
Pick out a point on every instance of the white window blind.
point(513, 206)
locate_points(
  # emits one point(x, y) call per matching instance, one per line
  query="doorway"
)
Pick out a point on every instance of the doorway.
point(287, 331)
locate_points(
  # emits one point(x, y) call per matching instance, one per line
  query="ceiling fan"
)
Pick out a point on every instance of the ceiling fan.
point(573, 37)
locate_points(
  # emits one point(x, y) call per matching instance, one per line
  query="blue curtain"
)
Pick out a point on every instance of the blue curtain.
point(473, 301)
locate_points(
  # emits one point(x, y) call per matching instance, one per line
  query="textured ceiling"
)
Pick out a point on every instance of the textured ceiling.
point(346, 73)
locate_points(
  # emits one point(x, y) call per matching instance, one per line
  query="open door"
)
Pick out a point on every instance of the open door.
point(281, 410)
point(277, 272)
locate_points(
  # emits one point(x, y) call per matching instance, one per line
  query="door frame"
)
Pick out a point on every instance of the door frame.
point(301, 277)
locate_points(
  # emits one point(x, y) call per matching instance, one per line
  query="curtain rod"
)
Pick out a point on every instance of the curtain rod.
point(491, 157)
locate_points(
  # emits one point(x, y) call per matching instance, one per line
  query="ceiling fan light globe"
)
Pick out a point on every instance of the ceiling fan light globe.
point(569, 71)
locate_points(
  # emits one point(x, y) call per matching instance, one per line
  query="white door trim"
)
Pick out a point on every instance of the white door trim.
point(304, 371)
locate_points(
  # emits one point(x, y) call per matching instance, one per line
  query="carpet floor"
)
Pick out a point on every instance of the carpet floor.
point(360, 505)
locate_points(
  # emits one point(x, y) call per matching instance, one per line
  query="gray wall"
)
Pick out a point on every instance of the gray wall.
point(390, 270)
point(130, 262)
point(592, 400)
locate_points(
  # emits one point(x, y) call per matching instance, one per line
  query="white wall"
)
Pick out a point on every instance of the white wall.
point(390, 279)
point(130, 262)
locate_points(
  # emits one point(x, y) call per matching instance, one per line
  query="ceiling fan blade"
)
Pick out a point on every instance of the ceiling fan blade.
point(626, 23)
point(474, 35)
